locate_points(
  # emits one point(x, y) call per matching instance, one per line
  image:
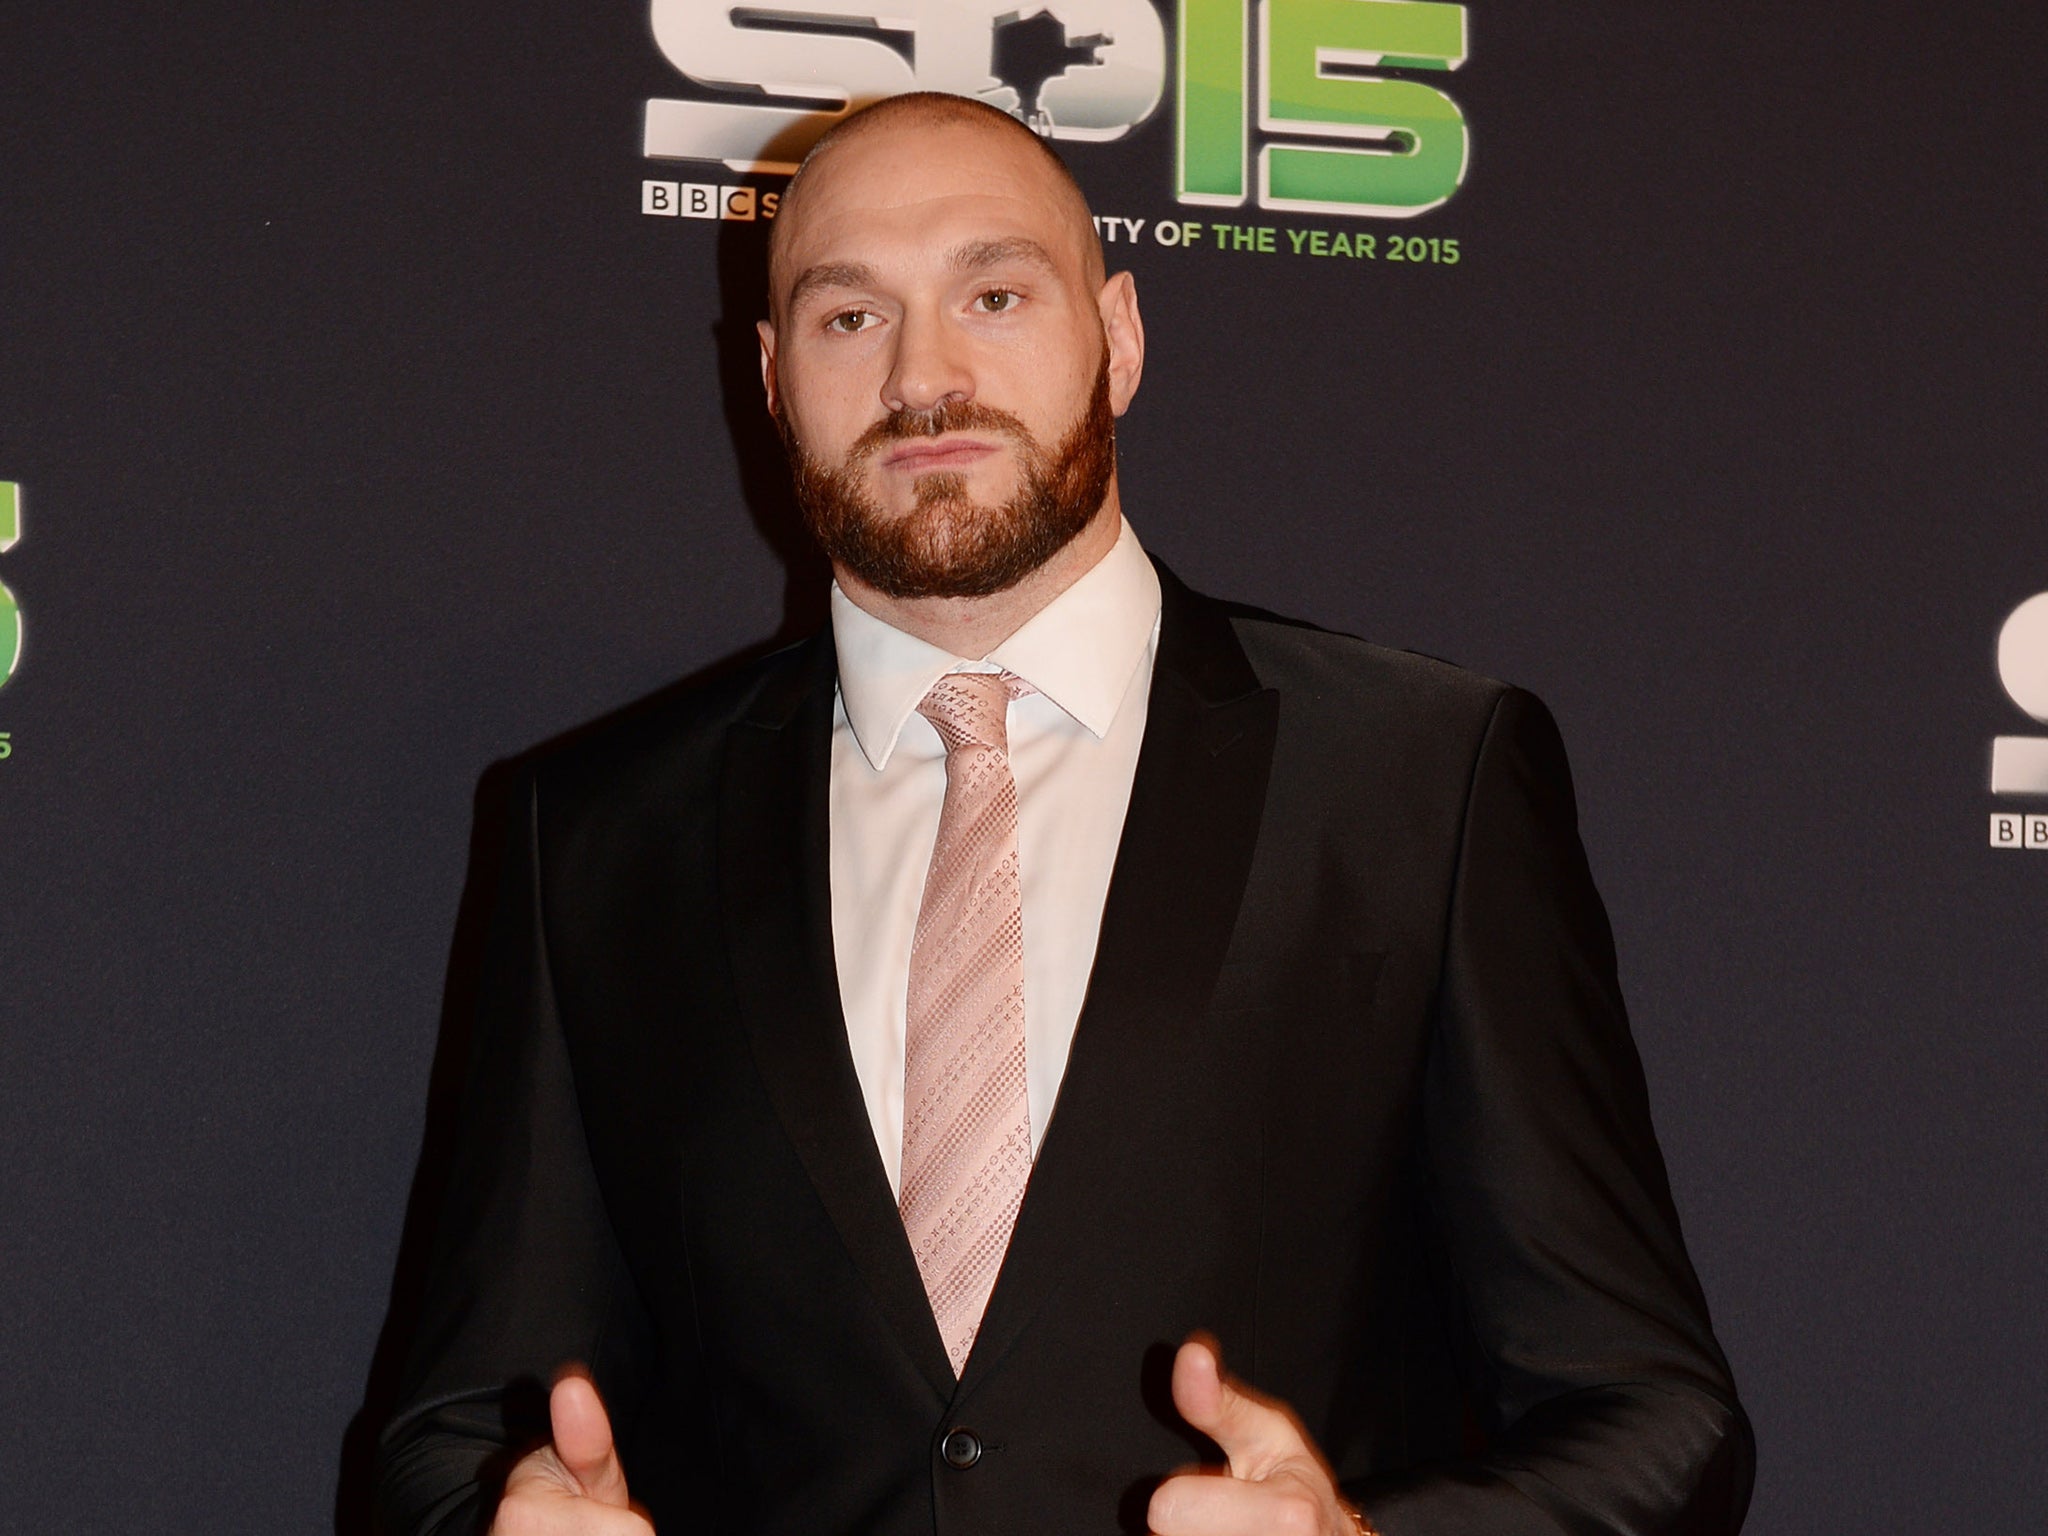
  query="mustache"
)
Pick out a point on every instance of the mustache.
point(947, 416)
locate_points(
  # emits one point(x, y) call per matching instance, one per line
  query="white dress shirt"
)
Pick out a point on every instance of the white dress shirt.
point(1073, 749)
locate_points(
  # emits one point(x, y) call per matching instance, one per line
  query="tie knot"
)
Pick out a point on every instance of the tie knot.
point(971, 709)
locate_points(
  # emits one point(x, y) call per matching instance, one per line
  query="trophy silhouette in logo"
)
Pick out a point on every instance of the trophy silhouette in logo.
point(1034, 49)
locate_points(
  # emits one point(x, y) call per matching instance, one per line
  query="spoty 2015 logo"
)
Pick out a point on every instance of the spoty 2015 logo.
point(1292, 104)
point(10, 610)
point(2019, 764)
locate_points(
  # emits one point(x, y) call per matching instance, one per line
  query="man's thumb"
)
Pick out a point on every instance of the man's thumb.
point(583, 1440)
point(1253, 1434)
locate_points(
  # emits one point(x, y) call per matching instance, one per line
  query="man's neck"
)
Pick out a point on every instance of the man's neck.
point(974, 626)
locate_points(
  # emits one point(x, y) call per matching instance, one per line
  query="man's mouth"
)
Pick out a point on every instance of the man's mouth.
point(931, 455)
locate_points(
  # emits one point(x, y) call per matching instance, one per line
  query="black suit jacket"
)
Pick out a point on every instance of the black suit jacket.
point(1352, 1088)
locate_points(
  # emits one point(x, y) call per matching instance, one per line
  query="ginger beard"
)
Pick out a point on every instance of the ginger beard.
point(947, 544)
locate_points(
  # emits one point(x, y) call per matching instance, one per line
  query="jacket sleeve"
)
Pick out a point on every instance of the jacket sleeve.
point(1607, 1406)
point(526, 1274)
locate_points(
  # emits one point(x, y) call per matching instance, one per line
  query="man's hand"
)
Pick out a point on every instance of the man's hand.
point(1276, 1484)
point(573, 1486)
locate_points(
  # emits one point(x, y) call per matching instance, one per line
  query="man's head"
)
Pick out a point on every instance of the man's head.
point(943, 354)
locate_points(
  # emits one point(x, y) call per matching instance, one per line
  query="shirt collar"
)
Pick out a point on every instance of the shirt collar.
point(1079, 650)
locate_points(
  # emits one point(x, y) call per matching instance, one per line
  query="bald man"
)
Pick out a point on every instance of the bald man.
point(910, 1071)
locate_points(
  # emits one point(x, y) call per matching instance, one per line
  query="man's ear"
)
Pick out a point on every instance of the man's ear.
point(766, 331)
point(1124, 333)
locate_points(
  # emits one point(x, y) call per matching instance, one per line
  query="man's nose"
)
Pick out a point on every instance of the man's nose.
point(929, 368)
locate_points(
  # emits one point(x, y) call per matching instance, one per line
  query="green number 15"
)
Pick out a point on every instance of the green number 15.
point(1410, 139)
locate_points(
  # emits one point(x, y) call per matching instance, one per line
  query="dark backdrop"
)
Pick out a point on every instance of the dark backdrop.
point(368, 434)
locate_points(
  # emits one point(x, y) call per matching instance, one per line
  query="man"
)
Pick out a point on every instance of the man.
point(891, 1053)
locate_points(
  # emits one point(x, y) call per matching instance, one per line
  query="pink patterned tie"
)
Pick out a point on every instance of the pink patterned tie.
point(966, 1118)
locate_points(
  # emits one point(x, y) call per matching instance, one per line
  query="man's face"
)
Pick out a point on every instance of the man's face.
point(944, 363)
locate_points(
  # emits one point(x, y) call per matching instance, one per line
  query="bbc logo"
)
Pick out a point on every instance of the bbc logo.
point(2015, 829)
point(702, 200)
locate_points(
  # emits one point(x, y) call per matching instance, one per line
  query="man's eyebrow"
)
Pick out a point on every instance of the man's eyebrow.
point(978, 255)
point(830, 274)
point(975, 256)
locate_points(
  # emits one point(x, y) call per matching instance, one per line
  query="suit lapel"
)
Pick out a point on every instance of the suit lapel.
point(775, 885)
point(1181, 867)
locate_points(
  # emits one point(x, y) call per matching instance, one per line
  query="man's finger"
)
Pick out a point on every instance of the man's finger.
point(539, 1502)
point(583, 1440)
point(1202, 1504)
point(1255, 1435)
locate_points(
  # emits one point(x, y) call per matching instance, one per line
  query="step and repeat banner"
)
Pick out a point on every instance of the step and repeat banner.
point(379, 399)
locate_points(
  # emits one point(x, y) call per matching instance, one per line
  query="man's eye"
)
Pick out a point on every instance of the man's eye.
point(996, 301)
point(849, 321)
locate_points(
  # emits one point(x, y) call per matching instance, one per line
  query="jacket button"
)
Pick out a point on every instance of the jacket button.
point(961, 1448)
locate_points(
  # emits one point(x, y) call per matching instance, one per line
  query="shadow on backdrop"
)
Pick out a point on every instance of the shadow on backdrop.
point(765, 492)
